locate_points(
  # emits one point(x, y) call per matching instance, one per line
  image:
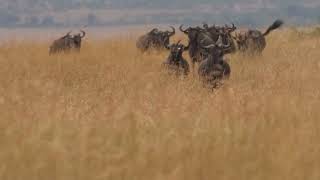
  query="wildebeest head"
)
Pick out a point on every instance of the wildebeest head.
point(165, 36)
point(211, 29)
point(228, 38)
point(192, 32)
point(77, 39)
point(215, 31)
point(224, 31)
point(176, 50)
point(205, 25)
point(218, 49)
point(228, 29)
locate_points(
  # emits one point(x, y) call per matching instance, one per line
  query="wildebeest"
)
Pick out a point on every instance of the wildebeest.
point(155, 39)
point(77, 38)
point(165, 37)
point(224, 32)
point(67, 43)
point(214, 67)
point(198, 37)
point(253, 42)
point(175, 62)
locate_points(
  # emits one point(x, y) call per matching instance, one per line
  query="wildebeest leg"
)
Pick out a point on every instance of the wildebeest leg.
point(193, 66)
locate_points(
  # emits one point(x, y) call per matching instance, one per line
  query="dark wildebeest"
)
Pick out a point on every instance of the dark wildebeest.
point(165, 37)
point(175, 62)
point(77, 38)
point(155, 39)
point(67, 43)
point(145, 42)
point(198, 37)
point(253, 42)
point(224, 32)
point(214, 67)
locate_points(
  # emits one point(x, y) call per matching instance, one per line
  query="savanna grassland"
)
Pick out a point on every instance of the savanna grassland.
point(110, 112)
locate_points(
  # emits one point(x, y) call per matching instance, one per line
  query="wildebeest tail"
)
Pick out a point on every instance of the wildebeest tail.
point(278, 23)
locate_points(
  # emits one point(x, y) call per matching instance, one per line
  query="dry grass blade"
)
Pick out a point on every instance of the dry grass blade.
point(111, 113)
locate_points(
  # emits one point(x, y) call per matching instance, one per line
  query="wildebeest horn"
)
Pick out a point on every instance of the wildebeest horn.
point(184, 31)
point(173, 31)
point(83, 34)
point(233, 27)
point(230, 29)
point(225, 46)
point(209, 46)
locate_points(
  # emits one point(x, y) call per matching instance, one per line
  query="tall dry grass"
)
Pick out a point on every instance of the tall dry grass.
point(111, 113)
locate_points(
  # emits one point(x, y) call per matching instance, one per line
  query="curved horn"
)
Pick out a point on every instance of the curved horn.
point(184, 31)
point(230, 29)
point(223, 46)
point(209, 46)
point(83, 34)
point(173, 31)
point(233, 28)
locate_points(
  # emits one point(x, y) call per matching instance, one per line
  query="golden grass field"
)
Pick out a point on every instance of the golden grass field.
point(111, 113)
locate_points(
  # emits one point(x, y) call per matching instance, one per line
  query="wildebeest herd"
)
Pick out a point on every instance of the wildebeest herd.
point(207, 46)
